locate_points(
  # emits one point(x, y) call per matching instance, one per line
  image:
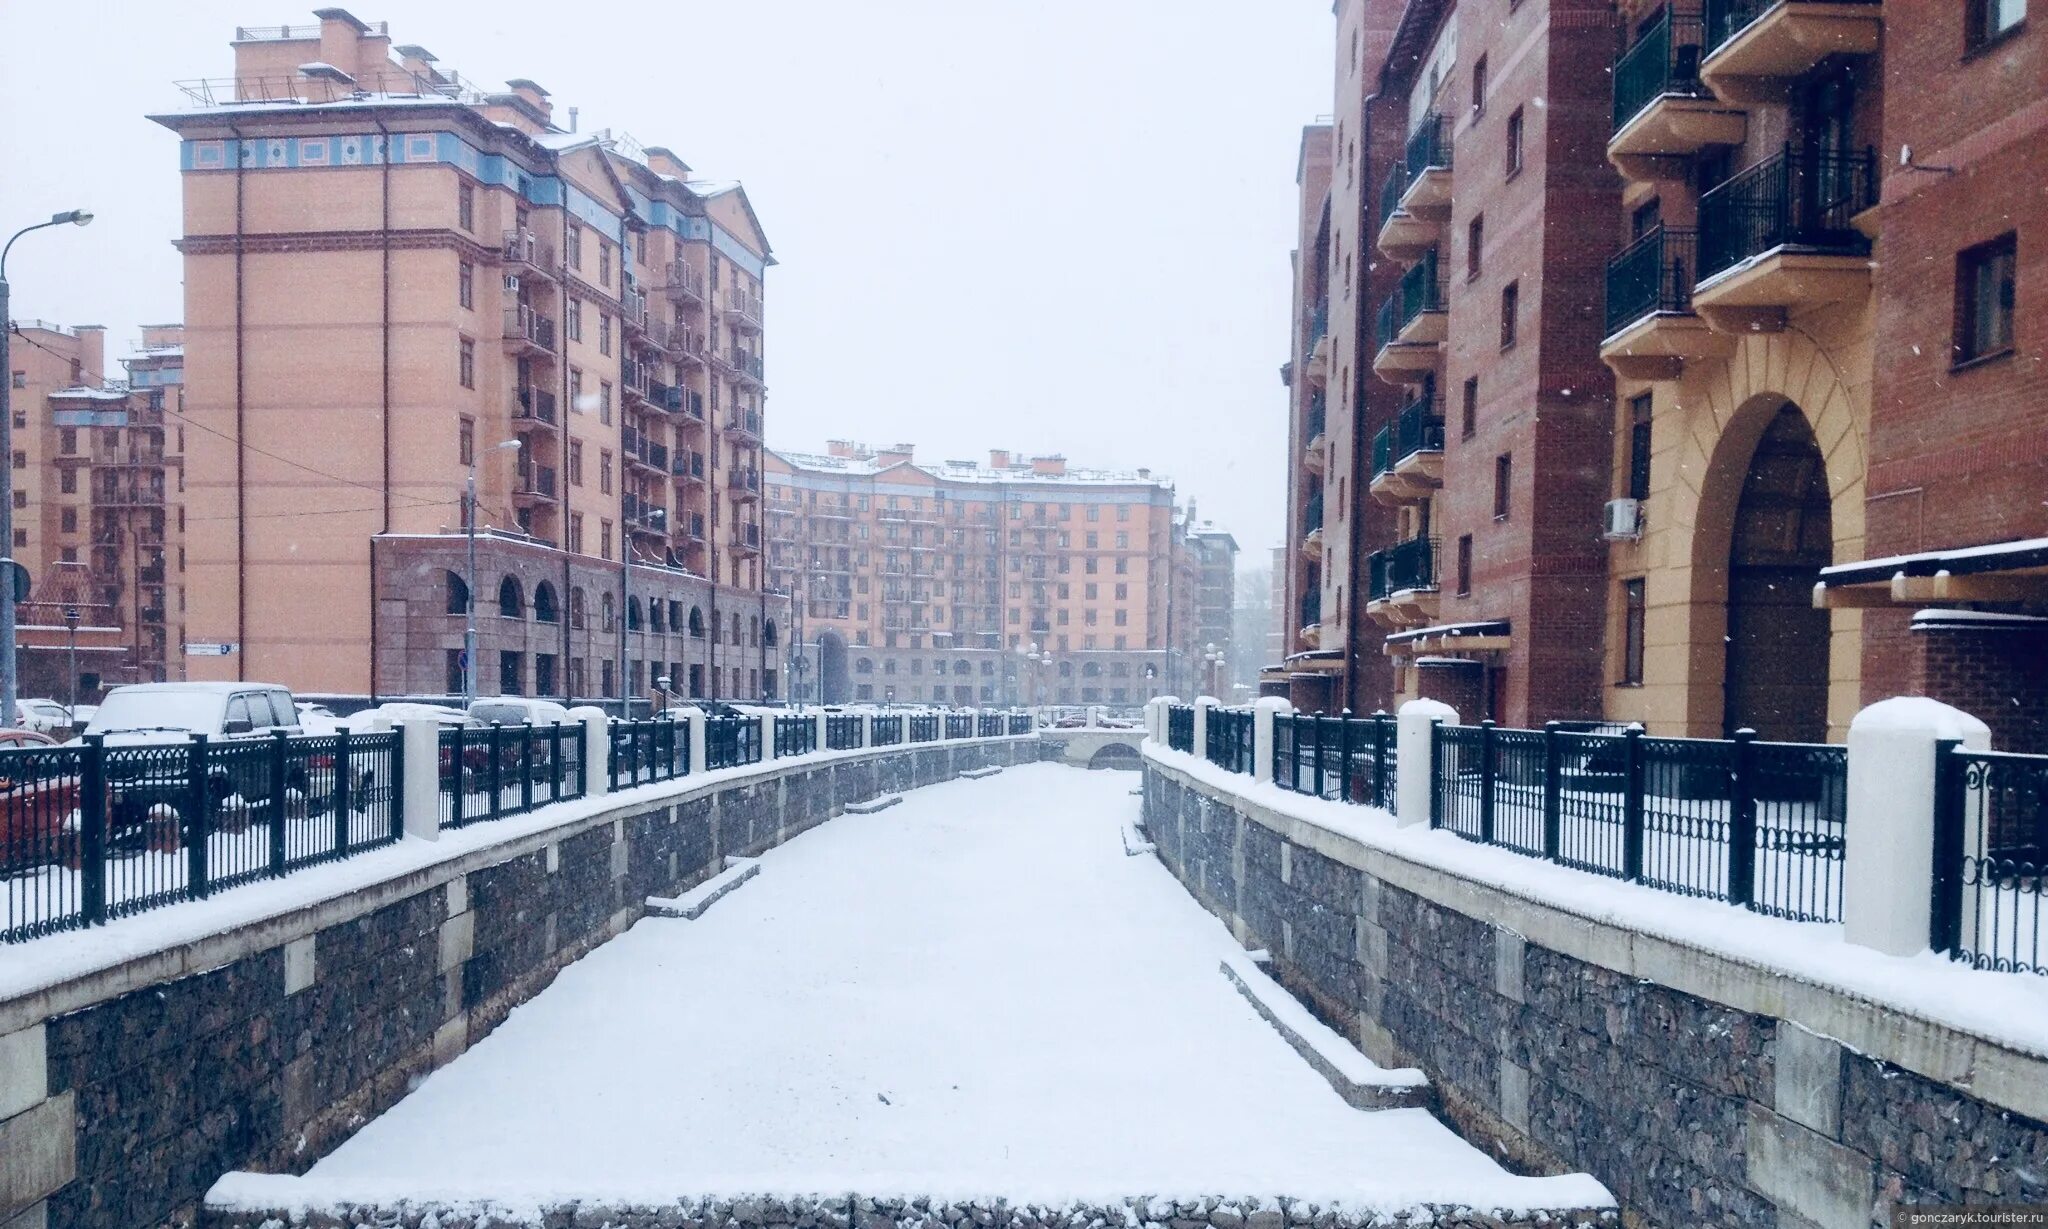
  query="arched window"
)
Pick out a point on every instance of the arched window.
point(865, 665)
point(632, 613)
point(696, 622)
point(511, 602)
point(1066, 669)
point(458, 594)
point(675, 615)
point(735, 627)
point(654, 615)
point(576, 608)
point(1092, 669)
point(768, 633)
point(607, 613)
point(544, 609)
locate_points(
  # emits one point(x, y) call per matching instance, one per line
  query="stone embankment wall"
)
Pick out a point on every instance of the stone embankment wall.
point(863, 1212)
point(126, 1093)
point(1701, 1090)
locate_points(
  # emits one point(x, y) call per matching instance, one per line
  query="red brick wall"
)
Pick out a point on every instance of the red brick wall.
point(2000, 677)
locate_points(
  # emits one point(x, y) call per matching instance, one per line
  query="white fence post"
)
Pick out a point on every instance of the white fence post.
point(867, 729)
point(1161, 718)
point(597, 748)
point(1888, 861)
point(1200, 745)
point(819, 740)
point(420, 744)
point(767, 736)
point(1413, 735)
point(1264, 711)
point(697, 748)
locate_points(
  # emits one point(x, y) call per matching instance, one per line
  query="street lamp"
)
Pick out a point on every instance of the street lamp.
point(71, 616)
point(469, 530)
point(8, 673)
point(1213, 657)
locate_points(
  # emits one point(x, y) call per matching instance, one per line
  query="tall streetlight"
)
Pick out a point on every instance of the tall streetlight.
point(469, 529)
point(8, 672)
point(1213, 658)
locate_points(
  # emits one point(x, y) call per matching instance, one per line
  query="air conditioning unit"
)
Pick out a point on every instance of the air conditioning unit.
point(1624, 521)
point(512, 283)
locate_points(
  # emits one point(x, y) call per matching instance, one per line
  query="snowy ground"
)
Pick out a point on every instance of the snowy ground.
point(973, 994)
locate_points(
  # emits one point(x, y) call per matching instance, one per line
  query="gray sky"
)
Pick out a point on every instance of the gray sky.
point(1048, 225)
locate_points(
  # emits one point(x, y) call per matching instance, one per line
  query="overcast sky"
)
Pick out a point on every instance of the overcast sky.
point(1047, 225)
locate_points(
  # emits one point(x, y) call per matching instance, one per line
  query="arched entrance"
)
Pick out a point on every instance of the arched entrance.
point(832, 685)
point(1775, 676)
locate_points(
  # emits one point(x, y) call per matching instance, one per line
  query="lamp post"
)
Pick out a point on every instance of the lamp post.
point(1212, 659)
point(71, 616)
point(8, 673)
point(469, 530)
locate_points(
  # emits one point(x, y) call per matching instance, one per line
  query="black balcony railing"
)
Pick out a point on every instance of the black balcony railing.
point(1803, 198)
point(536, 404)
point(1311, 610)
point(1318, 322)
point(1312, 515)
point(1656, 273)
point(1317, 415)
point(1429, 146)
point(1664, 60)
point(1402, 567)
point(1391, 190)
point(1421, 290)
point(1419, 428)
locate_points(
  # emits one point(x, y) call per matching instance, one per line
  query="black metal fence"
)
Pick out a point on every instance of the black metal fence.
point(958, 725)
point(655, 749)
point(795, 735)
point(1665, 59)
point(924, 727)
point(885, 731)
point(1752, 823)
point(990, 725)
point(1229, 738)
point(489, 772)
point(1990, 854)
point(1342, 757)
point(842, 732)
point(1656, 273)
point(90, 832)
point(1180, 727)
point(1802, 195)
point(1021, 723)
point(730, 742)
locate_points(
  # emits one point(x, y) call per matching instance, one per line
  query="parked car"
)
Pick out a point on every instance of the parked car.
point(517, 710)
point(37, 793)
point(148, 725)
point(42, 716)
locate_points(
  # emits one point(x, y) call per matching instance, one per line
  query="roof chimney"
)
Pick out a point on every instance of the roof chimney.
point(663, 161)
point(1054, 466)
point(999, 458)
point(533, 96)
point(572, 119)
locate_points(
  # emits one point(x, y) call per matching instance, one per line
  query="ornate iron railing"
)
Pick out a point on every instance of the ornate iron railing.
point(1180, 727)
point(1665, 59)
point(1342, 757)
point(1798, 197)
point(1990, 857)
point(1656, 273)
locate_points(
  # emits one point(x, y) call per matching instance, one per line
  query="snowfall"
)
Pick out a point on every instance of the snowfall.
point(973, 994)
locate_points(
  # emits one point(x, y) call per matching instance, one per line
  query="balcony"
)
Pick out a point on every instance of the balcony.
point(684, 284)
point(1661, 108)
point(1428, 162)
point(1412, 325)
point(1311, 620)
point(743, 311)
point(532, 408)
point(687, 345)
point(1651, 328)
point(1782, 237)
point(643, 516)
point(746, 539)
point(744, 425)
point(744, 485)
point(1408, 453)
point(689, 404)
point(529, 332)
point(1404, 236)
point(635, 380)
point(633, 315)
point(1402, 588)
point(525, 254)
point(1312, 527)
point(535, 484)
point(1754, 48)
point(744, 366)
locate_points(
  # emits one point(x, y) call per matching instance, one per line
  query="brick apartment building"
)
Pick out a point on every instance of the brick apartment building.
point(1818, 384)
point(1212, 553)
point(392, 278)
point(1019, 581)
point(98, 520)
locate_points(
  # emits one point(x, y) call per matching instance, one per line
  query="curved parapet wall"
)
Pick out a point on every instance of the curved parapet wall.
point(256, 1030)
point(1703, 1083)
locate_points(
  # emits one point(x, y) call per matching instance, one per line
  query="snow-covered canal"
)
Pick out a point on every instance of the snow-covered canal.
point(975, 993)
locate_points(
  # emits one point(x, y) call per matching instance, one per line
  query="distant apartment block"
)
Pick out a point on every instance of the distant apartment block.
point(1018, 581)
point(392, 276)
point(98, 518)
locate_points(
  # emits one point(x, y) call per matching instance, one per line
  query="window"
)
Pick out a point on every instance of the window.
point(1475, 239)
point(67, 520)
point(67, 483)
point(1123, 592)
point(576, 462)
point(1464, 565)
point(1094, 512)
point(67, 441)
point(604, 543)
point(465, 363)
point(1639, 446)
point(575, 252)
point(1123, 512)
point(1984, 299)
point(1632, 605)
point(465, 285)
point(604, 402)
point(1515, 143)
point(465, 206)
point(1479, 87)
point(465, 441)
point(1989, 20)
point(575, 324)
point(576, 389)
point(1123, 540)
point(604, 471)
point(604, 333)
point(1510, 304)
point(576, 543)
point(1503, 483)
point(1468, 412)
point(604, 263)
